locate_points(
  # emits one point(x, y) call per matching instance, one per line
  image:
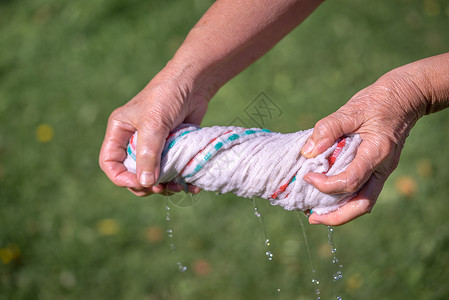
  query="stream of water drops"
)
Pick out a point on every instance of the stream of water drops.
point(257, 213)
point(268, 252)
point(338, 275)
point(169, 232)
point(315, 280)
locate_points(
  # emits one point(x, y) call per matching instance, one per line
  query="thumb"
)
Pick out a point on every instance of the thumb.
point(150, 142)
point(327, 131)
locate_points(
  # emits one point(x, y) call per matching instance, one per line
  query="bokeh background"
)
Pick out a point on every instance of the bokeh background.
point(66, 232)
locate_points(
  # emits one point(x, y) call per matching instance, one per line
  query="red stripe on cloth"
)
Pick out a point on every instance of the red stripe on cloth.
point(281, 189)
point(132, 142)
point(193, 158)
point(331, 161)
point(336, 153)
point(170, 135)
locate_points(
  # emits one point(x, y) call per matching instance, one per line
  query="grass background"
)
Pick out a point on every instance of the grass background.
point(66, 232)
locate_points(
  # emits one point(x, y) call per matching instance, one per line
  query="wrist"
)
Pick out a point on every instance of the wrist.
point(190, 71)
point(423, 85)
point(405, 89)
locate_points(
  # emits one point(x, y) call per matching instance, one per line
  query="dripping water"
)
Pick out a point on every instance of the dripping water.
point(169, 231)
point(335, 261)
point(257, 213)
point(185, 198)
point(268, 252)
point(315, 280)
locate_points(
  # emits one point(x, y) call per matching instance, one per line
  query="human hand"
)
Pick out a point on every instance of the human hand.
point(383, 114)
point(167, 101)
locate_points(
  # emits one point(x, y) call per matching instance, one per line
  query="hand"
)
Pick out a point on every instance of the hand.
point(167, 101)
point(383, 114)
point(228, 38)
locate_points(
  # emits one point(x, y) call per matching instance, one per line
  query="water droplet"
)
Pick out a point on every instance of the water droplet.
point(278, 290)
point(269, 255)
point(169, 232)
point(317, 291)
point(315, 281)
point(260, 218)
point(339, 298)
point(338, 275)
point(181, 268)
point(335, 260)
point(333, 250)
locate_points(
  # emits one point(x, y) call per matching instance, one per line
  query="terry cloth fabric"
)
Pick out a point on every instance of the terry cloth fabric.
point(251, 163)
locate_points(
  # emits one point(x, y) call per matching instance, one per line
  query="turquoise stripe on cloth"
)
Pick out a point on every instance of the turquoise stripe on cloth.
point(220, 145)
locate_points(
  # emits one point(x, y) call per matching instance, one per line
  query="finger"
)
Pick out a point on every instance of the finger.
point(355, 175)
point(194, 189)
point(361, 204)
point(327, 131)
point(150, 143)
point(113, 153)
point(142, 192)
point(176, 187)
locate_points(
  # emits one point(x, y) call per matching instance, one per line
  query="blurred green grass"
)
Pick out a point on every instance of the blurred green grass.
point(67, 233)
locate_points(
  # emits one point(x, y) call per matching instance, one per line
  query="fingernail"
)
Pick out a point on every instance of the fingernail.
point(307, 179)
point(308, 148)
point(146, 178)
point(314, 222)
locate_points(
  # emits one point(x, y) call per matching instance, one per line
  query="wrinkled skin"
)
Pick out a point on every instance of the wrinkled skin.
point(383, 114)
point(161, 106)
point(230, 36)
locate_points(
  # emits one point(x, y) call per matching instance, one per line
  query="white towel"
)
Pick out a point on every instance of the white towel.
point(252, 163)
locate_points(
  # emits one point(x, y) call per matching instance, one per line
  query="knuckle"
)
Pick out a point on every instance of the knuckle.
point(156, 122)
point(146, 154)
point(101, 163)
point(352, 184)
point(152, 124)
point(324, 126)
point(116, 115)
point(365, 207)
point(335, 125)
point(369, 208)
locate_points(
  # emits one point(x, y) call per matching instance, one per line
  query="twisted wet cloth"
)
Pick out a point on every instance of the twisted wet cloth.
point(251, 163)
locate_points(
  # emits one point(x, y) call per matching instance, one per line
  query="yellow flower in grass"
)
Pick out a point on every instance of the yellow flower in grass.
point(9, 253)
point(44, 133)
point(354, 282)
point(108, 227)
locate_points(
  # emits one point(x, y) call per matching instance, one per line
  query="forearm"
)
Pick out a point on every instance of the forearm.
point(233, 34)
point(423, 85)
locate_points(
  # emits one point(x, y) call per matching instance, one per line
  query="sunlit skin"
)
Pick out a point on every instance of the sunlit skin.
point(228, 38)
point(383, 114)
